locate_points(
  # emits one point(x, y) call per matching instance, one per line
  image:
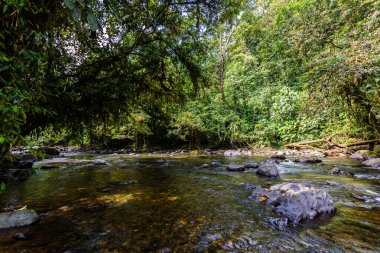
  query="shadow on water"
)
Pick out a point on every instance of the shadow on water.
point(160, 204)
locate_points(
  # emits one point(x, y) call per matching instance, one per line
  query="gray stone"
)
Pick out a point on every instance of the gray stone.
point(279, 155)
point(309, 160)
point(296, 202)
point(374, 163)
point(235, 168)
point(335, 171)
point(19, 218)
point(357, 156)
point(204, 166)
point(268, 170)
point(252, 165)
point(232, 153)
point(216, 164)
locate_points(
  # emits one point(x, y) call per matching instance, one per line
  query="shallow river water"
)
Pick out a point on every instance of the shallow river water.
point(126, 203)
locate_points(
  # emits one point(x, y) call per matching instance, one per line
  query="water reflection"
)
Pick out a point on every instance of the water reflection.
point(160, 204)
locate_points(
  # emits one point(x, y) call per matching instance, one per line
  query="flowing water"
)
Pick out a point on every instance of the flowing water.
point(162, 204)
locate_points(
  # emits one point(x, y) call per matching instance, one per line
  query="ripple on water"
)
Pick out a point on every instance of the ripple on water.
point(174, 206)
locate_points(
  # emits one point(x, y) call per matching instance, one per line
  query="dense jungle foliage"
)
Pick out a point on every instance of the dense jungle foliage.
point(199, 73)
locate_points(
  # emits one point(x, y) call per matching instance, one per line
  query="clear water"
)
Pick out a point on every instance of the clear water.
point(170, 204)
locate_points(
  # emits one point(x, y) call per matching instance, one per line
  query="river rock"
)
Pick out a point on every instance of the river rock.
point(357, 156)
point(374, 163)
point(205, 165)
point(294, 201)
point(251, 165)
point(232, 153)
point(279, 155)
point(309, 160)
point(334, 171)
point(216, 164)
point(268, 170)
point(235, 168)
point(20, 218)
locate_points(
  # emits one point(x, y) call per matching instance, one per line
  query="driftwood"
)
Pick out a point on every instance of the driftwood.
point(328, 143)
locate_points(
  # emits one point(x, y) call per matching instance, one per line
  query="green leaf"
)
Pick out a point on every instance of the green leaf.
point(76, 13)
point(2, 187)
point(70, 4)
point(2, 139)
point(92, 21)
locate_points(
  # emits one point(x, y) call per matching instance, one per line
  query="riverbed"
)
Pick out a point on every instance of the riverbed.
point(157, 203)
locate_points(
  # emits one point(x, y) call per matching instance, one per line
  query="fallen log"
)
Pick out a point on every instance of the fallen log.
point(328, 142)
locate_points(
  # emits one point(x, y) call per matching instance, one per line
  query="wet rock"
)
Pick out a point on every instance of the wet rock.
point(203, 166)
point(374, 163)
point(279, 155)
point(214, 237)
point(268, 170)
point(252, 165)
point(235, 168)
point(49, 167)
point(20, 218)
point(317, 154)
point(334, 171)
point(232, 153)
point(279, 223)
point(309, 160)
point(247, 186)
point(216, 164)
point(21, 237)
point(295, 202)
point(357, 156)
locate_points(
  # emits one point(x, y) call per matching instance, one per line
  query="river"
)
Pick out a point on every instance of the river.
point(153, 203)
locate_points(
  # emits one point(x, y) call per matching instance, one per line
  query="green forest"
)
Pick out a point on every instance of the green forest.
point(171, 126)
point(188, 73)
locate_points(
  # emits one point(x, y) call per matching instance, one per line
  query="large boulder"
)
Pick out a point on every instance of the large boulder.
point(374, 163)
point(235, 168)
point(268, 170)
point(296, 202)
point(20, 218)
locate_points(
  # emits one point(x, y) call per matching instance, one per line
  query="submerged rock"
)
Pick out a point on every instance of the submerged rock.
point(20, 218)
point(296, 202)
point(268, 170)
point(235, 168)
point(216, 164)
